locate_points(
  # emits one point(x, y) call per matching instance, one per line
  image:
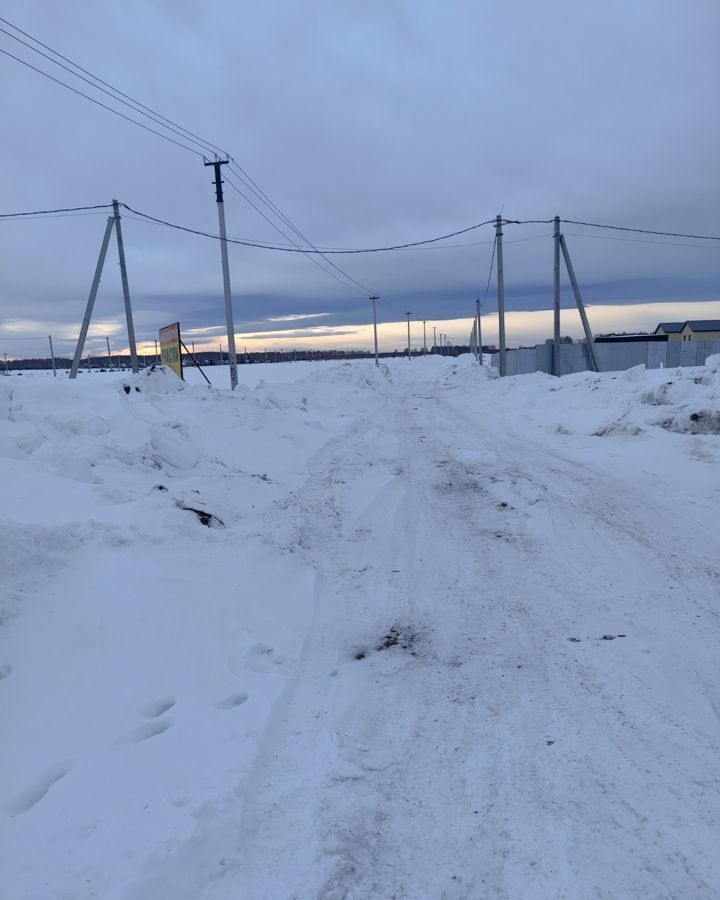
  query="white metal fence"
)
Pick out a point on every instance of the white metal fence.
point(612, 357)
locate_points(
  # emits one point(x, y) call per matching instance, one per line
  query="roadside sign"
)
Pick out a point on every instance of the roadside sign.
point(170, 348)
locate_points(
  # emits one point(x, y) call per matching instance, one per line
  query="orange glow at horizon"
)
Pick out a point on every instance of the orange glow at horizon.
point(522, 328)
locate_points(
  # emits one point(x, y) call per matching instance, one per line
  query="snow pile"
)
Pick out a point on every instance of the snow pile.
point(409, 631)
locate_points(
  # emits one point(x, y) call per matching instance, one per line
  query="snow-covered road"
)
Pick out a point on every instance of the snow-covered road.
point(482, 619)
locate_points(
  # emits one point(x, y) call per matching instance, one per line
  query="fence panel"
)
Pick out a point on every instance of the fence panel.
point(657, 354)
point(612, 357)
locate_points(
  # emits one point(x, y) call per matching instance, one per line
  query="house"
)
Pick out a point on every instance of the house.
point(701, 330)
point(692, 330)
point(671, 329)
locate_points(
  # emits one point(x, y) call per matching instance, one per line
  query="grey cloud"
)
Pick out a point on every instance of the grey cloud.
point(368, 124)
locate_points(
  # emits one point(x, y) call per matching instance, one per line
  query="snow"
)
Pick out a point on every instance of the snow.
point(443, 635)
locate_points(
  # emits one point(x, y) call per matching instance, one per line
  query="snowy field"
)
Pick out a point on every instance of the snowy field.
point(350, 633)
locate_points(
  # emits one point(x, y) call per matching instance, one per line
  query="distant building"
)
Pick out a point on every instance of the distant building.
point(629, 338)
point(701, 330)
point(692, 330)
point(670, 329)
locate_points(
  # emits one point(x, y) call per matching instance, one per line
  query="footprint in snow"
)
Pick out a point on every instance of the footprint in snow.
point(149, 729)
point(157, 707)
point(33, 794)
point(232, 701)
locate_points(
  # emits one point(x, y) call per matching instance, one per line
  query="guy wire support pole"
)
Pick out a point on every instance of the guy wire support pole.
point(373, 299)
point(408, 314)
point(125, 287)
point(107, 341)
point(91, 299)
point(225, 269)
point(501, 295)
point(52, 355)
point(580, 305)
point(478, 331)
point(556, 298)
point(424, 338)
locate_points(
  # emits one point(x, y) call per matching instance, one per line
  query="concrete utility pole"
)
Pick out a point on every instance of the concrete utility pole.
point(52, 355)
point(580, 305)
point(501, 294)
point(125, 287)
point(226, 270)
point(91, 300)
point(6, 366)
point(424, 338)
point(434, 339)
point(374, 298)
point(556, 296)
point(107, 341)
point(478, 333)
point(408, 314)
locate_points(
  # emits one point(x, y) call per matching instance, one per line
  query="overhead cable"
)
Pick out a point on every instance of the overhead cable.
point(349, 282)
point(265, 246)
point(47, 212)
point(99, 102)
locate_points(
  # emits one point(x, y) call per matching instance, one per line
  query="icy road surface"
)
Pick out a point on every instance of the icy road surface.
point(411, 633)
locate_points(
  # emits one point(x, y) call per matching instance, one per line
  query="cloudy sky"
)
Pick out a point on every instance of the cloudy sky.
point(367, 124)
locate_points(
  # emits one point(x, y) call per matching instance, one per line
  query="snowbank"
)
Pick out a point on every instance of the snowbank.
point(360, 632)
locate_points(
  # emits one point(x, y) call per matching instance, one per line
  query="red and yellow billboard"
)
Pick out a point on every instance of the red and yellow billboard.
point(170, 355)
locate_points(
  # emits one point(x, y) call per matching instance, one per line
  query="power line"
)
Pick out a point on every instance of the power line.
point(97, 87)
point(677, 234)
point(294, 247)
point(265, 246)
point(61, 216)
point(697, 237)
point(258, 191)
point(99, 102)
point(492, 261)
point(164, 122)
point(252, 242)
point(137, 103)
point(534, 237)
point(47, 212)
point(607, 237)
point(354, 285)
